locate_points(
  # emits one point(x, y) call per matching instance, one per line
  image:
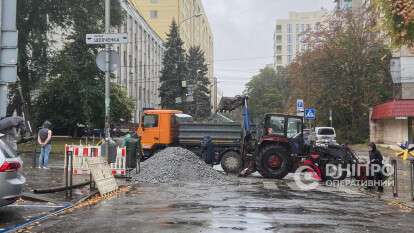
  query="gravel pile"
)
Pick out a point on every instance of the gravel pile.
point(178, 165)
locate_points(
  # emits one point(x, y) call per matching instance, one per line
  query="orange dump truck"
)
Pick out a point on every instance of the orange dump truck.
point(163, 128)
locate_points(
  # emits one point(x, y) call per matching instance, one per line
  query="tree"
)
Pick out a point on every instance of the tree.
point(397, 17)
point(174, 70)
point(346, 70)
point(197, 78)
point(74, 92)
point(267, 92)
point(34, 20)
point(71, 20)
point(66, 108)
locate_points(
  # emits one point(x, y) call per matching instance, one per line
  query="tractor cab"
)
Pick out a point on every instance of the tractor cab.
point(286, 129)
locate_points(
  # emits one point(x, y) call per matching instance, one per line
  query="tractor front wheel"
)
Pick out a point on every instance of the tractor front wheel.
point(273, 161)
point(231, 162)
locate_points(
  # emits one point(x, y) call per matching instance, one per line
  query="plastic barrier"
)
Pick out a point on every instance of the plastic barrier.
point(80, 157)
point(119, 167)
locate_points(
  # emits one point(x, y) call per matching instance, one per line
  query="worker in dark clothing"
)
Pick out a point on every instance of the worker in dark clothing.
point(207, 150)
point(375, 160)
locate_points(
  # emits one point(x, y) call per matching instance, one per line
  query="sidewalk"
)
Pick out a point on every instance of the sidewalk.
point(53, 177)
point(403, 177)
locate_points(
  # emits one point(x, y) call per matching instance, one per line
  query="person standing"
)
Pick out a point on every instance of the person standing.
point(44, 139)
point(375, 159)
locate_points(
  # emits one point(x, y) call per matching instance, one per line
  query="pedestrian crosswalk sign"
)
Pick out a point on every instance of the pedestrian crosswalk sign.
point(300, 106)
point(310, 114)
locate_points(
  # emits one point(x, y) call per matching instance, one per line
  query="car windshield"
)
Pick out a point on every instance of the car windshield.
point(5, 150)
point(326, 131)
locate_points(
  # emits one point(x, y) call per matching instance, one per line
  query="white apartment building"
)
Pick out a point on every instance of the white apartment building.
point(289, 34)
point(141, 61)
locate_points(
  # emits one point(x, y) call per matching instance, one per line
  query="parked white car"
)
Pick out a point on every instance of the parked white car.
point(324, 135)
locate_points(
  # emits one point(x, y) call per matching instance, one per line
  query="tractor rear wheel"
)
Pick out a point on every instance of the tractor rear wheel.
point(231, 162)
point(273, 161)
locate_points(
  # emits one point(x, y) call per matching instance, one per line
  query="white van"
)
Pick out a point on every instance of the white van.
point(325, 135)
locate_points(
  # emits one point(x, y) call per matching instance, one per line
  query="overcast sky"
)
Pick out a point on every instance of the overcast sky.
point(243, 35)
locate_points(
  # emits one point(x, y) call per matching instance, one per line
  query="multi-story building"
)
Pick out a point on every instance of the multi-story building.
point(141, 60)
point(289, 35)
point(193, 23)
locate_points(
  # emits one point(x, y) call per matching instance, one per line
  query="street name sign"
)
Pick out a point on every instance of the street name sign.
point(310, 114)
point(116, 38)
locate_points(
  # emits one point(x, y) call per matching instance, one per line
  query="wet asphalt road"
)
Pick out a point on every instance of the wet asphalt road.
point(253, 205)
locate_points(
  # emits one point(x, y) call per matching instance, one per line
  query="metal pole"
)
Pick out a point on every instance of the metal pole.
point(107, 77)
point(71, 174)
point(412, 179)
point(395, 187)
point(67, 174)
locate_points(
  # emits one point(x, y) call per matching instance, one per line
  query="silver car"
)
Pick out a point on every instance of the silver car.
point(11, 179)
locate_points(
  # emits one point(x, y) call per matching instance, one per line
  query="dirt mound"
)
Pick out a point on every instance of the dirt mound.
point(178, 165)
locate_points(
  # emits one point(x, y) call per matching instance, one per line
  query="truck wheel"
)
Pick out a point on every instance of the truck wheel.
point(231, 162)
point(273, 161)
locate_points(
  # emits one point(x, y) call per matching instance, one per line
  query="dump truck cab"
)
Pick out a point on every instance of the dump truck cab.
point(157, 128)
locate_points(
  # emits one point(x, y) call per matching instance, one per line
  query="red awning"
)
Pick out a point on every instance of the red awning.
point(393, 109)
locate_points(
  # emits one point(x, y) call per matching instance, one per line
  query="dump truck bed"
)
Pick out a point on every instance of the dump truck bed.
point(222, 134)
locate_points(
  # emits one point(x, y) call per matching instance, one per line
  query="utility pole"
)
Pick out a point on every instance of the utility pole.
point(8, 50)
point(107, 76)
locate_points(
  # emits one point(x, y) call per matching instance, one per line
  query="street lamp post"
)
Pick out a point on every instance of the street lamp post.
point(189, 18)
point(184, 83)
point(107, 77)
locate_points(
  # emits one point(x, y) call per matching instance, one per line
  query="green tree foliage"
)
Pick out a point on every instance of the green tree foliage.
point(397, 17)
point(268, 92)
point(347, 70)
point(74, 92)
point(197, 78)
point(59, 103)
point(34, 19)
point(174, 70)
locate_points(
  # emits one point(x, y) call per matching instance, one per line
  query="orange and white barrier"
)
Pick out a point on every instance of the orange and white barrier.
point(119, 167)
point(80, 156)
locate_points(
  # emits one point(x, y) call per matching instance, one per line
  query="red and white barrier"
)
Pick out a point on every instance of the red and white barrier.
point(119, 167)
point(80, 155)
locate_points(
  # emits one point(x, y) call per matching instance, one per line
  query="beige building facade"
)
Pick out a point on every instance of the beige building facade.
point(289, 35)
point(194, 27)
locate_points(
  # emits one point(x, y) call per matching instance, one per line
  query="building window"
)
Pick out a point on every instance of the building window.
point(297, 28)
point(289, 28)
point(290, 50)
point(278, 59)
point(278, 28)
point(153, 14)
point(289, 39)
point(290, 58)
point(279, 49)
point(155, 1)
point(278, 39)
